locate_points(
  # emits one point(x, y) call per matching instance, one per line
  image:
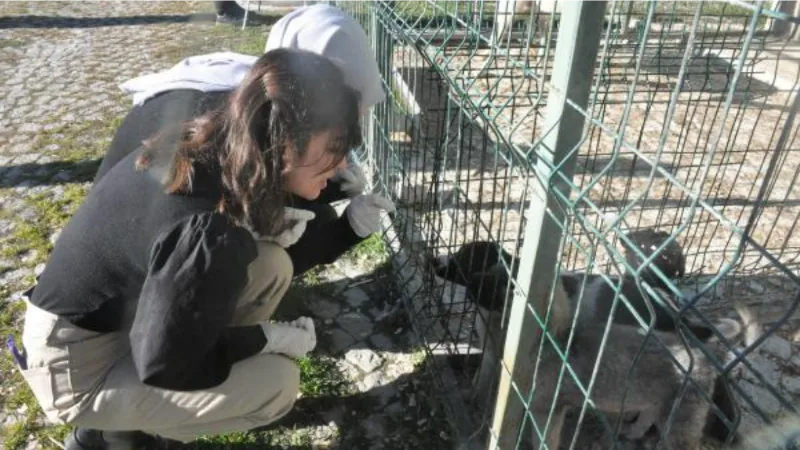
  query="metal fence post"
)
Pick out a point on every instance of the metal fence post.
point(579, 35)
point(376, 34)
point(379, 115)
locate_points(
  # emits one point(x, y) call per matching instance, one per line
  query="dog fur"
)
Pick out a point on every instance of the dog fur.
point(484, 267)
point(652, 389)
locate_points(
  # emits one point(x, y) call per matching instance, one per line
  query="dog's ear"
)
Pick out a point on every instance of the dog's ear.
point(476, 257)
point(572, 283)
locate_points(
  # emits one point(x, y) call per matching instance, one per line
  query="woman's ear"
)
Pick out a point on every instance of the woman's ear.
point(289, 158)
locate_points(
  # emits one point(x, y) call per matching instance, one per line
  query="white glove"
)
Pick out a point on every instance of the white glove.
point(296, 219)
point(351, 179)
point(364, 213)
point(294, 339)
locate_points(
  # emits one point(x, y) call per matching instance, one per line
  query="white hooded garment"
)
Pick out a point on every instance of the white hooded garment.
point(322, 29)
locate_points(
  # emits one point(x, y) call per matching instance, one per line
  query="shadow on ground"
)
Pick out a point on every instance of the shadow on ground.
point(33, 21)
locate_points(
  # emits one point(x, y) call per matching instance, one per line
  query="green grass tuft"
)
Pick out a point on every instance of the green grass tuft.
point(372, 250)
point(319, 376)
point(11, 43)
point(51, 215)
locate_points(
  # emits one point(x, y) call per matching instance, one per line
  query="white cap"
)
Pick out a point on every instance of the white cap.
point(330, 32)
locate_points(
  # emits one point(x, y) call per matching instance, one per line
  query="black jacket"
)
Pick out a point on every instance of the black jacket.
point(166, 269)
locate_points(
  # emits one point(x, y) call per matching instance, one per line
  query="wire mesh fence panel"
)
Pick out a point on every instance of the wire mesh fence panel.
point(665, 197)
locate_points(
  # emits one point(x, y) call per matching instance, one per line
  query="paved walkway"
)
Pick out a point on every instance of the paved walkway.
point(60, 65)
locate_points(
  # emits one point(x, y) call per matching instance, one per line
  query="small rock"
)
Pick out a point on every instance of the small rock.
point(762, 397)
point(374, 427)
point(349, 270)
point(762, 365)
point(355, 297)
point(777, 346)
point(63, 175)
point(792, 384)
point(348, 370)
point(355, 323)
point(364, 359)
point(339, 340)
point(370, 382)
point(381, 342)
point(394, 409)
point(322, 307)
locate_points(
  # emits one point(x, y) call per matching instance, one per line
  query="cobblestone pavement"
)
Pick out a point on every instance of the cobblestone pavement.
point(60, 67)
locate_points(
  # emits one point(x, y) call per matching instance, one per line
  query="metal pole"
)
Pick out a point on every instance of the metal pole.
point(573, 69)
point(372, 120)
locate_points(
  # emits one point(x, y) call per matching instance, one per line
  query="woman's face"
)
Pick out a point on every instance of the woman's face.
point(307, 176)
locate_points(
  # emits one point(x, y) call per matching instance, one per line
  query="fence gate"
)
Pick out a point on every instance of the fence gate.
point(548, 137)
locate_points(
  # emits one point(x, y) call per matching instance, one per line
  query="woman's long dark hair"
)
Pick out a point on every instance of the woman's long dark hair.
point(288, 96)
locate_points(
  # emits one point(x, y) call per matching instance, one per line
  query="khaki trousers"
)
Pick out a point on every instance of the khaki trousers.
point(88, 379)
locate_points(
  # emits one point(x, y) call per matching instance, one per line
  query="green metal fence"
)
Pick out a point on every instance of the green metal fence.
point(552, 130)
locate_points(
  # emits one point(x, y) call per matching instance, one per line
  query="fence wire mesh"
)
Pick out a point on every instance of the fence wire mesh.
point(689, 129)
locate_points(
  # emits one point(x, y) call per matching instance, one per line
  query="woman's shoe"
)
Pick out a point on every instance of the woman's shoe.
point(89, 439)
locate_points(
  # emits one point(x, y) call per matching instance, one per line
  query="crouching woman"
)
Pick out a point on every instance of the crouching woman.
point(150, 324)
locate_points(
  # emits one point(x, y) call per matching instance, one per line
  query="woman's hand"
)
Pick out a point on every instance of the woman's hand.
point(294, 339)
point(364, 213)
point(351, 180)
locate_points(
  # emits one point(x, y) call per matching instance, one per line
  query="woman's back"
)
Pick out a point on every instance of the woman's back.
point(102, 257)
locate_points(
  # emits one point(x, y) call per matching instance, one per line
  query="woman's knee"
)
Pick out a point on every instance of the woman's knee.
point(272, 266)
point(269, 276)
point(285, 373)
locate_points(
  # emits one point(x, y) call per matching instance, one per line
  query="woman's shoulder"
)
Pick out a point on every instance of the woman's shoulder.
point(205, 239)
point(210, 227)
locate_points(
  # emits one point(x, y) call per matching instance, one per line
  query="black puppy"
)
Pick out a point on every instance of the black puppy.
point(484, 269)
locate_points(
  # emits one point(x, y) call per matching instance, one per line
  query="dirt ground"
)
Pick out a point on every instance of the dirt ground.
point(690, 150)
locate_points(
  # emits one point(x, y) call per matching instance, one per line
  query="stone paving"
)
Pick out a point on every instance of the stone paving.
point(60, 67)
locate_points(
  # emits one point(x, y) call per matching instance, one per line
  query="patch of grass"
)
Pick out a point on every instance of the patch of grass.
point(211, 38)
point(294, 439)
point(16, 436)
point(77, 142)
point(371, 249)
point(80, 147)
point(51, 215)
point(11, 43)
point(319, 376)
point(312, 277)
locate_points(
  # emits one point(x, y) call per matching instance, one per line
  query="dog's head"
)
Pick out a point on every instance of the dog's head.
point(671, 261)
point(479, 267)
